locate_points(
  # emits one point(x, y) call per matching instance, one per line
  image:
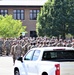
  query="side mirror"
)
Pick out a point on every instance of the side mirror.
point(26, 59)
point(20, 59)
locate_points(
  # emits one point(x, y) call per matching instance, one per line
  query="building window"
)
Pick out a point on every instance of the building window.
point(3, 12)
point(18, 14)
point(33, 14)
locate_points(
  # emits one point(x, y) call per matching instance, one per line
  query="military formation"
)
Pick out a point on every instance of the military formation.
point(18, 47)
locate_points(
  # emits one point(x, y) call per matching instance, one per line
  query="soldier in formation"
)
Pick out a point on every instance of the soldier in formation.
point(21, 46)
point(16, 50)
point(7, 45)
point(1, 47)
point(13, 51)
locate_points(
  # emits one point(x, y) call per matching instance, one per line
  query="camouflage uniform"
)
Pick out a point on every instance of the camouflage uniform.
point(25, 47)
point(44, 44)
point(37, 43)
point(16, 51)
point(29, 46)
point(69, 44)
point(13, 51)
point(73, 44)
point(1, 47)
point(60, 44)
point(7, 45)
point(22, 42)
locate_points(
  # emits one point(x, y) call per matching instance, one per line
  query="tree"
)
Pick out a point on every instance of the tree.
point(10, 27)
point(56, 18)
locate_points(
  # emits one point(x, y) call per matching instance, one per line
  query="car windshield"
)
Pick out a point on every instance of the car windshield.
point(58, 55)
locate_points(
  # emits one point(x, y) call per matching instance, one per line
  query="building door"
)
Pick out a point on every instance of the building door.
point(33, 34)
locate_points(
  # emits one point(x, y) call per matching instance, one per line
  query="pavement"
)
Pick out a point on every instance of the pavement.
point(6, 65)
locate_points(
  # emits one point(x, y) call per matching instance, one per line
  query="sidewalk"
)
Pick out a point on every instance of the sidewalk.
point(6, 65)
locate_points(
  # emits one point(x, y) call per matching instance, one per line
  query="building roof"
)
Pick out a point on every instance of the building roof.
point(22, 2)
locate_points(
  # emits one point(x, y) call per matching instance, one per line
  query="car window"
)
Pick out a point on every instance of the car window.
point(29, 55)
point(58, 55)
point(36, 55)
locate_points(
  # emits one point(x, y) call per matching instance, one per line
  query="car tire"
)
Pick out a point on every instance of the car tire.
point(16, 72)
point(44, 73)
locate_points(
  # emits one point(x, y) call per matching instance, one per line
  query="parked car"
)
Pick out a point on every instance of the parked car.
point(46, 61)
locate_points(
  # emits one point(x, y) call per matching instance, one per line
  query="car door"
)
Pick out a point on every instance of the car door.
point(31, 62)
point(33, 66)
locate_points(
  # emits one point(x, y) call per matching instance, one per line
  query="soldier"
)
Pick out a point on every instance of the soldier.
point(16, 51)
point(7, 45)
point(22, 42)
point(60, 44)
point(26, 46)
point(1, 46)
point(64, 43)
point(73, 44)
point(69, 44)
point(13, 51)
point(44, 44)
point(37, 43)
point(40, 44)
point(32, 45)
point(21, 37)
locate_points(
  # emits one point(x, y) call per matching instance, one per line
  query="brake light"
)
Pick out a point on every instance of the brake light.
point(57, 71)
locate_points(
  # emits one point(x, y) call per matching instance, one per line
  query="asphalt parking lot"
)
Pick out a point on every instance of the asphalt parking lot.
point(6, 65)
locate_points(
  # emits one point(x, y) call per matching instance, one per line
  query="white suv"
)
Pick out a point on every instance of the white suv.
point(46, 61)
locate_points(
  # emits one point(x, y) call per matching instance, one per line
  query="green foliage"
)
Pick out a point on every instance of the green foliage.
point(56, 18)
point(10, 27)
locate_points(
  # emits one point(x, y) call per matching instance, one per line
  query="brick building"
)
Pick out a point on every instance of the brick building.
point(24, 10)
